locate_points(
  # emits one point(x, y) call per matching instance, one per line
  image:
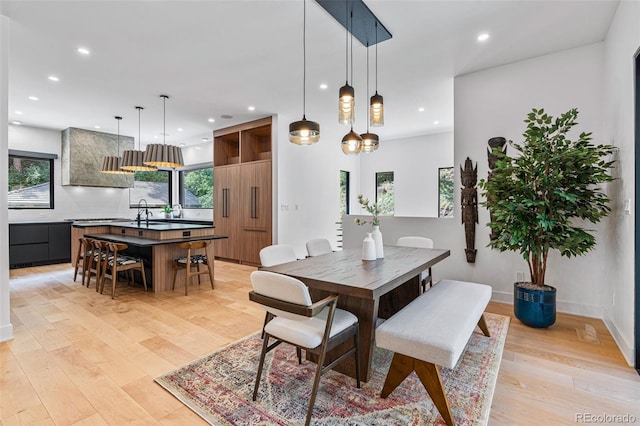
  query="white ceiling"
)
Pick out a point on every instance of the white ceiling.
point(218, 57)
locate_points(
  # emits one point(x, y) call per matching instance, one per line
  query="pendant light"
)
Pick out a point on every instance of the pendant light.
point(304, 132)
point(346, 95)
point(133, 160)
point(370, 141)
point(351, 143)
point(376, 104)
point(163, 155)
point(111, 164)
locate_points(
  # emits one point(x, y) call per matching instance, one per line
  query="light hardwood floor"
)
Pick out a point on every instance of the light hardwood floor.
point(80, 358)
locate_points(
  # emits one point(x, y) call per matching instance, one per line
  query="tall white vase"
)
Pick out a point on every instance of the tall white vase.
point(377, 238)
point(368, 248)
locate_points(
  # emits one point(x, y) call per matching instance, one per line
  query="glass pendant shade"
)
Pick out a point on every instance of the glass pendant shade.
point(351, 143)
point(376, 111)
point(304, 132)
point(163, 155)
point(370, 142)
point(111, 164)
point(346, 104)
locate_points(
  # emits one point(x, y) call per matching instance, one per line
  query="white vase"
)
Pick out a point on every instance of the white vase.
point(377, 239)
point(368, 248)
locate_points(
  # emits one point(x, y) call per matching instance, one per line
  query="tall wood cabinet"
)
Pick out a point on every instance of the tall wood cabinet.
point(242, 190)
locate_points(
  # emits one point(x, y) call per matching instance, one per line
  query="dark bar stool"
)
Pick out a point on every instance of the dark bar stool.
point(191, 261)
point(115, 262)
point(82, 257)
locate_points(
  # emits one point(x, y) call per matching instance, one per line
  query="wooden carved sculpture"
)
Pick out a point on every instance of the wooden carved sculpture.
point(469, 203)
point(497, 142)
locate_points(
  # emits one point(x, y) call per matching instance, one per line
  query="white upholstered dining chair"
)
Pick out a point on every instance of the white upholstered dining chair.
point(419, 242)
point(318, 247)
point(291, 317)
point(277, 254)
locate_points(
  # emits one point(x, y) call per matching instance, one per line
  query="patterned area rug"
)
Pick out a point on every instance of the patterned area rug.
point(219, 387)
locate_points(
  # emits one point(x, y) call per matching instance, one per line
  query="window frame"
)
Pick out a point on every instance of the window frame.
point(40, 156)
point(181, 184)
point(133, 205)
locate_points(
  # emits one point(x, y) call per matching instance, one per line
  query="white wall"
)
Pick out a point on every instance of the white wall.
point(415, 162)
point(494, 102)
point(306, 186)
point(622, 41)
point(6, 328)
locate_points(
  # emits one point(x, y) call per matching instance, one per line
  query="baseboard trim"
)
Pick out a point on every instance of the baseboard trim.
point(6, 332)
point(572, 308)
point(627, 350)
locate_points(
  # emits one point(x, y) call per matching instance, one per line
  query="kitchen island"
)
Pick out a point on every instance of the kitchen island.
point(154, 241)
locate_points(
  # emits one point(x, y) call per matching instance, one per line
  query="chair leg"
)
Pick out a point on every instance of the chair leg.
point(144, 279)
point(114, 278)
point(209, 268)
point(175, 273)
point(198, 272)
point(316, 384)
point(265, 343)
point(357, 354)
point(299, 353)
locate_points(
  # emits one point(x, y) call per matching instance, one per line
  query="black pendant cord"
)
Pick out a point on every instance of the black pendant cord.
point(304, 59)
point(164, 118)
point(346, 42)
point(139, 108)
point(368, 85)
point(376, 57)
point(118, 118)
point(352, 55)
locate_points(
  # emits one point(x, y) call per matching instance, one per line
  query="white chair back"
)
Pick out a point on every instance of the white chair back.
point(281, 287)
point(318, 247)
point(418, 242)
point(277, 254)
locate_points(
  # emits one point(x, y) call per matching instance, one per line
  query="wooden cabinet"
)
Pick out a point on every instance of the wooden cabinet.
point(227, 210)
point(243, 190)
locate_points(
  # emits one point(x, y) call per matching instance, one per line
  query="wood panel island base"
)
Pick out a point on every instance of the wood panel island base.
point(156, 243)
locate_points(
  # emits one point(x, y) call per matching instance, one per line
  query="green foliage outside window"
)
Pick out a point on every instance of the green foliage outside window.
point(199, 183)
point(385, 198)
point(445, 192)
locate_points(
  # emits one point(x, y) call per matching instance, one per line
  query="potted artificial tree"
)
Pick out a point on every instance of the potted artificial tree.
point(539, 201)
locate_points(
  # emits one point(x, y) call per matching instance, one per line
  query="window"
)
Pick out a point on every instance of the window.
point(384, 193)
point(196, 188)
point(30, 180)
point(154, 187)
point(445, 192)
point(344, 192)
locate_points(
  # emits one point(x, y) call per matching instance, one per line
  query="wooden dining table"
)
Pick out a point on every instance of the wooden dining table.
point(369, 289)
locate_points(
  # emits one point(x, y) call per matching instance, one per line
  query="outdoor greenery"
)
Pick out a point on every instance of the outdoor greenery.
point(344, 192)
point(151, 176)
point(26, 172)
point(445, 192)
point(200, 183)
point(540, 199)
point(385, 198)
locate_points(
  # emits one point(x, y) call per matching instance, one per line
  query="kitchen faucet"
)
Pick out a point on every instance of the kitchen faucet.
point(146, 211)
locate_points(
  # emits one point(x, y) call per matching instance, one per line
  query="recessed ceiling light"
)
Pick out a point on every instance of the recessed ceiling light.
point(96, 127)
point(155, 137)
point(211, 120)
point(198, 147)
point(226, 116)
point(179, 129)
point(205, 139)
point(53, 78)
point(16, 122)
point(182, 144)
point(19, 112)
point(436, 122)
point(324, 86)
point(421, 109)
point(33, 98)
point(483, 37)
point(83, 50)
point(251, 108)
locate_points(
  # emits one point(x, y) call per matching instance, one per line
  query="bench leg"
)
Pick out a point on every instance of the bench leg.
point(483, 326)
point(429, 375)
point(401, 366)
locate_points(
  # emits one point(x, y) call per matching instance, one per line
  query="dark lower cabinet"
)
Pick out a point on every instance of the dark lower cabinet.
point(32, 244)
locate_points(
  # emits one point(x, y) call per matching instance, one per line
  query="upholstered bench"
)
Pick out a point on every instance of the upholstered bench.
point(430, 332)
